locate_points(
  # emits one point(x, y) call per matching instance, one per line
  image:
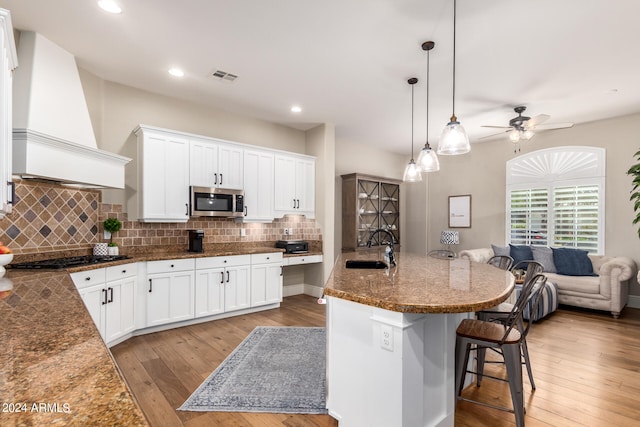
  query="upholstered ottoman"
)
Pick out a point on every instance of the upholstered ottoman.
point(548, 301)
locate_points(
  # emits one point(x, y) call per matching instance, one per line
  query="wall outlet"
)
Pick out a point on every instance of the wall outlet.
point(243, 232)
point(286, 231)
point(386, 337)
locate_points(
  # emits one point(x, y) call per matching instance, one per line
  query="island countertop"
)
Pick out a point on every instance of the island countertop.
point(420, 283)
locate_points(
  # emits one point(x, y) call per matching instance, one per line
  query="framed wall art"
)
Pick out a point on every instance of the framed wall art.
point(460, 211)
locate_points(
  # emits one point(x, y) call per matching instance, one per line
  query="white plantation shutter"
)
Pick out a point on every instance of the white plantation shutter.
point(529, 213)
point(576, 217)
point(555, 197)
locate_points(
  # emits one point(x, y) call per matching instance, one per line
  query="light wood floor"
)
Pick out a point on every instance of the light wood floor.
point(586, 367)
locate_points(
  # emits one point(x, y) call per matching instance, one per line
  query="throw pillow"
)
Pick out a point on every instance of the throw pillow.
point(521, 253)
point(501, 250)
point(572, 262)
point(544, 256)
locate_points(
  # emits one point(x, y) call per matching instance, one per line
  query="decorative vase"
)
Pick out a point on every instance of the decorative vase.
point(100, 249)
point(112, 250)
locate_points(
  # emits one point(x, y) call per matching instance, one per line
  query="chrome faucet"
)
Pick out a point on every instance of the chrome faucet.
point(392, 257)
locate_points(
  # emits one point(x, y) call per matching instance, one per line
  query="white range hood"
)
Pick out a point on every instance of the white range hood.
point(52, 133)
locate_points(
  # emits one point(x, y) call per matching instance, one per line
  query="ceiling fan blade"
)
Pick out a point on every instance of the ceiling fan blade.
point(537, 120)
point(551, 126)
point(496, 127)
point(494, 134)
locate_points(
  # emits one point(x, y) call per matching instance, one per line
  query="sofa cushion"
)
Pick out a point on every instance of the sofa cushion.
point(575, 285)
point(572, 262)
point(521, 253)
point(501, 250)
point(544, 256)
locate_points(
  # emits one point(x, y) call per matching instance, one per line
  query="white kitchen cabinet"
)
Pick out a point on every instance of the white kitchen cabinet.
point(170, 291)
point(266, 279)
point(109, 295)
point(213, 163)
point(222, 284)
point(8, 62)
point(294, 185)
point(163, 162)
point(258, 186)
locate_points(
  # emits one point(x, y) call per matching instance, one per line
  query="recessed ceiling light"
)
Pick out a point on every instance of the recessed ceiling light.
point(176, 72)
point(109, 6)
point(296, 109)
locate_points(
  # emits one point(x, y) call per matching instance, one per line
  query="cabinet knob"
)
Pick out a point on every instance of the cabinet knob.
point(171, 265)
point(87, 278)
point(124, 271)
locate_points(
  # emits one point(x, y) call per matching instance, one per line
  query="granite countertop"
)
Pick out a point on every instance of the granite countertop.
point(55, 370)
point(420, 284)
point(52, 354)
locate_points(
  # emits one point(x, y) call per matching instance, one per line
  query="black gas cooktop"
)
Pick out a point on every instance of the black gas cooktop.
point(59, 263)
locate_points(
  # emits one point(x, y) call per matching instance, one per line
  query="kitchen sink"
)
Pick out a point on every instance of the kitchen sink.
point(370, 264)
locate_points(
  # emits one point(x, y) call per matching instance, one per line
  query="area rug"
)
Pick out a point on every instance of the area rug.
point(275, 369)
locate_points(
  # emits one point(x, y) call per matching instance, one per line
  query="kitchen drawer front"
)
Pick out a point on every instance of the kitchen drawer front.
point(303, 260)
point(222, 261)
point(272, 257)
point(82, 279)
point(171, 265)
point(117, 272)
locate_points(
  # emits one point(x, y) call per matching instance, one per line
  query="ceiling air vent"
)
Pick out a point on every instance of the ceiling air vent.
point(223, 75)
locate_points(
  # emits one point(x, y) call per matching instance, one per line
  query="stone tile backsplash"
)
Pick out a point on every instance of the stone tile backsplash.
point(50, 217)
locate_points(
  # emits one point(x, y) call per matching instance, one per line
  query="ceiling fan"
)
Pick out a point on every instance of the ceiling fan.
point(524, 127)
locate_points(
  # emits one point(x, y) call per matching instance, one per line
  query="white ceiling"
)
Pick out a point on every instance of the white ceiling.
point(347, 61)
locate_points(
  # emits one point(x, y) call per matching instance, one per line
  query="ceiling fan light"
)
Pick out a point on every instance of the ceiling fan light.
point(527, 134)
point(514, 135)
point(453, 140)
point(428, 160)
point(412, 172)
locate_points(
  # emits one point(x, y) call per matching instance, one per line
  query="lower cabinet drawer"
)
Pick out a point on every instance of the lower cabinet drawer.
point(121, 271)
point(82, 279)
point(311, 259)
point(167, 266)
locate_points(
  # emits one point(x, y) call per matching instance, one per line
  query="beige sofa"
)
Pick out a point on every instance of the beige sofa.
point(609, 290)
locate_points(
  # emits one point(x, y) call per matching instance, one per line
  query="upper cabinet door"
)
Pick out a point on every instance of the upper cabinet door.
point(215, 164)
point(258, 186)
point(164, 164)
point(203, 163)
point(294, 186)
point(8, 62)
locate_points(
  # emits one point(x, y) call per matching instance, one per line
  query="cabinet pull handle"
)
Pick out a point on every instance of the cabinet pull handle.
point(294, 203)
point(245, 211)
point(222, 277)
point(298, 203)
point(150, 286)
point(220, 179)
point(104, 296)
point(216, 179)
point(281, 270)
point(186, 206)
point(110, 295)
point(227, 276)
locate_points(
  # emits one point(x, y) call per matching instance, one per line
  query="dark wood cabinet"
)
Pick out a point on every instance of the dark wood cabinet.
point(369, 203)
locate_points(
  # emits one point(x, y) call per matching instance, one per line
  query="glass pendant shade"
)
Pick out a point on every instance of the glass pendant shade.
point(412, 172)
point(428, 160)
point(514, 135)
point(454, 139)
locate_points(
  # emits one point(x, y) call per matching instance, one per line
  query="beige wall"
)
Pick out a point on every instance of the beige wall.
point(481, 173)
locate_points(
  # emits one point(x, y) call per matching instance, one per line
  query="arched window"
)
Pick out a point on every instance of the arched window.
point(555, 197)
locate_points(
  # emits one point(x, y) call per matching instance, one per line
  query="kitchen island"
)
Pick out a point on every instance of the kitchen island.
point(391, 336)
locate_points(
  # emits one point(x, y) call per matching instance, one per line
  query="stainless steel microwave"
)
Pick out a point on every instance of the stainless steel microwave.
point(220, 202)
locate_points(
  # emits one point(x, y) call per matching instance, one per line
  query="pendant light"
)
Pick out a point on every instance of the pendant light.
point(454, 139)
point(412, 171)
point(427, 159)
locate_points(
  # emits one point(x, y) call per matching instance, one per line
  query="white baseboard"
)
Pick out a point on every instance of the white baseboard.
point(634, 301)
point(302, 288)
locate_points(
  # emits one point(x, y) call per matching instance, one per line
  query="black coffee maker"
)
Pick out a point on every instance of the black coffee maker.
point(196, 238)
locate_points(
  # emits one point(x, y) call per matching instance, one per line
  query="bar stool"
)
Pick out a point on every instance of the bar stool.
point(478, 335)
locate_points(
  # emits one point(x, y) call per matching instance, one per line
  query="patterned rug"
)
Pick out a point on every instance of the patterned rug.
point(275, 369)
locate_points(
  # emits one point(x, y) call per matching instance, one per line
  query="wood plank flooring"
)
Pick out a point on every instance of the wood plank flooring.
point(586, 366)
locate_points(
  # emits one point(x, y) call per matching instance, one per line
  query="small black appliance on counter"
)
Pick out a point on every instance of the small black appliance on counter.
point(293, 246)
point(196, 238)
